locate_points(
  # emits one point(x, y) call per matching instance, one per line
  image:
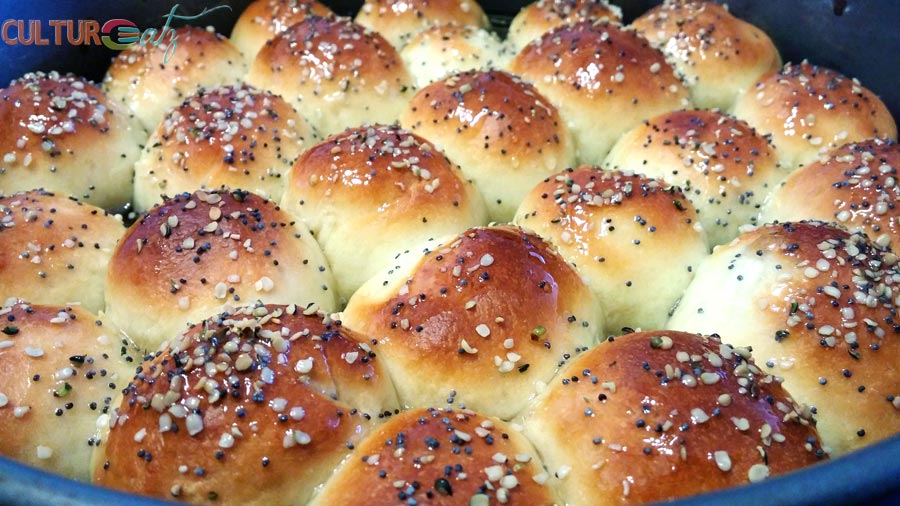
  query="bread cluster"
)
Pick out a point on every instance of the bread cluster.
point(400, 259)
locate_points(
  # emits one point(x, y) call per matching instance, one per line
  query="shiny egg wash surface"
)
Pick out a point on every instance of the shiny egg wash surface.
point(373, 182)
point(854, 186)
point(481, 320)
point(658, 415)
point(635, 239)
point(441, 457)
point(60, 132)
point(281, 390)
point(723, 166)
point(818, 306)
point(236, 136)
point(60, 368)
point(196, 253)
point(496, 127)
point(808, 110)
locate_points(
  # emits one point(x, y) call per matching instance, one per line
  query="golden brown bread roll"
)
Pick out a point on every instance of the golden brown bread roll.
point(375, 191)
point(398, 21)
point(854, 186)
point(144, 83)
point(61, 133)
point(718, 54)
point(481, 320)
point(55, 250)
point(264, 19)
point(604, 80)
point(440, 457)
point(60, 368)
point(658, 415)
point(195, 254)
point(236, 136)
point(449, 48)
point(809, 110)
point(818, 306)
point(634, 239)
point(275, 393)
point(539, 17)
point(336, 73)
point(721, 164)
point(504, 135)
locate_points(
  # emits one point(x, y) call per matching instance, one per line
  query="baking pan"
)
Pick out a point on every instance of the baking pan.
point(860, 38)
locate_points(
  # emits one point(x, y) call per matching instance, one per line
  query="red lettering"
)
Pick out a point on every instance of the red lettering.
point(38, 40)
point(57, 25)
point(92, 27)
point(4, 31)
point(29, 40)
point(75, 35)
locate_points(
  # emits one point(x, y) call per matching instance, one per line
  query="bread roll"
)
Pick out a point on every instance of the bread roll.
point(148, 80)
point(504, 135)
point(635, 240)
point(480, 320)
point(236, 136)
point(853, 186)
point(448, 48)
point(198, 253)
point(603, 79)
point(60, 368)
point(340, 76)
point(817, 305)
point(723, 166)
point(718, 55)
point(809, 110)
point(264, 19)
point(61, 133)
point(398, 21)
point(655, 416)
point(440, 457)
point(54, 250)
point(275, 393)
point(375, 191)
point(541, 16)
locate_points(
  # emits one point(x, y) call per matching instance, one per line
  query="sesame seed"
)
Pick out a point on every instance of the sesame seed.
point(723, 461)
point(44, 452)
point(483, 330)
point(758, 473)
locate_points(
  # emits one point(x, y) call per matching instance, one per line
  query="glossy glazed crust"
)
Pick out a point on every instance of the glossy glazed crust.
point(640, 419)
point(379, 190)
point(268, 389)
point(400, 20)
point(336, 73)
point(61, 133)
point(853, 186)
point(237, 136)
point(194, 254)
point(54, 250)
point(809, 110)
point(604, 79)
point(60, 367)
point(635, 239)
point(821, 318)
point(446, 49)
point(144, 83)
point(264, 19)
point(719, 55)
point(496, 127)
point(441, 458)
point(721, 164)
point(539, 17)
point(487, 314)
